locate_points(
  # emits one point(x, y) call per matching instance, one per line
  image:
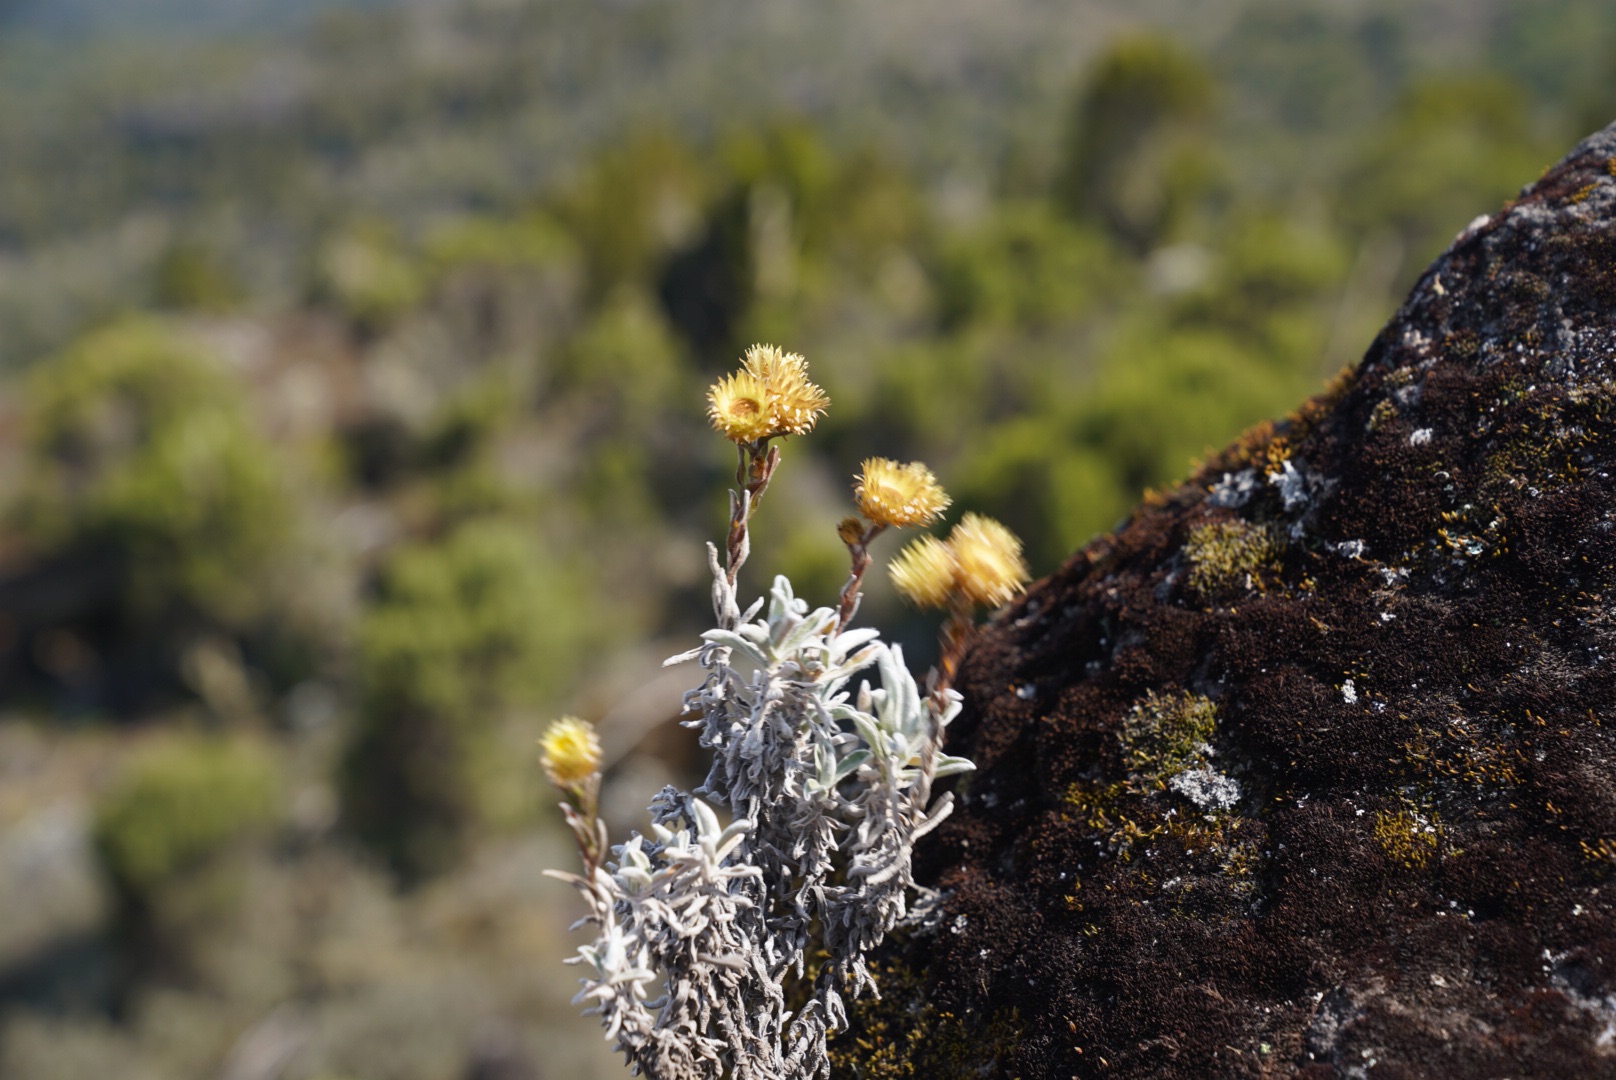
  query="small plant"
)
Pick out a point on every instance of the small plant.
point(728, 949)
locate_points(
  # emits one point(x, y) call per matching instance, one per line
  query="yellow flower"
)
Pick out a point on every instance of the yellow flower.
point(795, 404)
point(738, 406)
point(925, 572)
point(570, 752)
point(991, 570)
point(892, 494)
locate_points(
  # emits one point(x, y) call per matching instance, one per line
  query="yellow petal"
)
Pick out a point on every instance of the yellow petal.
point(892, 494)
point(738, 406)
point(991, 568)
point(925, 572)
point(570, 752)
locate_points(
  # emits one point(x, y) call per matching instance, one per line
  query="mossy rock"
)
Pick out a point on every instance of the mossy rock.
point(1396, 607)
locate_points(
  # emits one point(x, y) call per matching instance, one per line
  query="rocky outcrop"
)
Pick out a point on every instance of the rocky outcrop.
point(1309, 769)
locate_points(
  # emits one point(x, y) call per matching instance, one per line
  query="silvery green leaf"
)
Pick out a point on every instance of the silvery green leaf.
point(723, 847)
point(633, 878)
point(848, 640)
point(782, 604)
point(950, 766)
point(824, 768)
point(738, 827)
point(952, 709)
point(683, 658)
point(852, 761)
point(843, 711)
point(735, 641)
point(811, 627)
point(869, 731)
point(944, 807)
point(706, 821)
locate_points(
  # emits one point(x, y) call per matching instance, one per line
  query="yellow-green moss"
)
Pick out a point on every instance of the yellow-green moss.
point(898, 1037)
point(1114, 810)
point(1582, 193)
point(1457, 753)
point(1228, 557)
point(1167, 733)
point(1219, 837)
point(1408, 837)
point(1383, 413)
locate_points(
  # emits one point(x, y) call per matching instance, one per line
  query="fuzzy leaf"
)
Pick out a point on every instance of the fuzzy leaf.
point(852, 761)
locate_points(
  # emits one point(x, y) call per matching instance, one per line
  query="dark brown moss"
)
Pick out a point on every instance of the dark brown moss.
point(1417, 706)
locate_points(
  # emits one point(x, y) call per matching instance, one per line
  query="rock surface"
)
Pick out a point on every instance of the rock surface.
point(1310, 768)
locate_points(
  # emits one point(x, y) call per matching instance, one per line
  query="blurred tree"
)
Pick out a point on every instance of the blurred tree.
point(365, 271)
point(1025, 267)
point(640, 199)
point(179, 801)
point(1453, 148)
point(461, 631)
point(1309, 68)
point(1563, 52)
point(192, 276)
point(172, 832)
point(1135, 159)
point(142, 450)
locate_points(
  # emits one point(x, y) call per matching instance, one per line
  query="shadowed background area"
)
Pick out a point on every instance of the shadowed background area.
point(351, 375)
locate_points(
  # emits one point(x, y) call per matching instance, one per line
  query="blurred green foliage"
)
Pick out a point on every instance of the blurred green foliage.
point(461, 631)
point(1136, 158)
point(141, 446)
point(1451, 145)
point(1026, 267)
point(182, 800)
point(367, 275)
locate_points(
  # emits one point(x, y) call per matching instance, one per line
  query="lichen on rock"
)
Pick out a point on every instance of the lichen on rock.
point(1386, 624)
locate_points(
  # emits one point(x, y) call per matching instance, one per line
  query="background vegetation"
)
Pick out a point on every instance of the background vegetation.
point(351, 364)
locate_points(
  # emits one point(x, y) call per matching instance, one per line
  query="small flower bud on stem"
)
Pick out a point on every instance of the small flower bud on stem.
point(571, 754)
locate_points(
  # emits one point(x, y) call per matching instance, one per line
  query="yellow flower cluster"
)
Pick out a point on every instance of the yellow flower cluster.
point(570, 752)
point(769, 396)
point(925, 572)
point(980, 562)
point(899, 495)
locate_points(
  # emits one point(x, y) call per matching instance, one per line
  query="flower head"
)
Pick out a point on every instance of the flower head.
point(738, 406)
point(925, 572)
point(795, 404)
point(892, 494)
point(769, 396)
point(991, 570)
point(570, 751)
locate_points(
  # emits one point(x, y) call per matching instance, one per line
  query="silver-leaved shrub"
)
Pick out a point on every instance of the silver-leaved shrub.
point(729, 950)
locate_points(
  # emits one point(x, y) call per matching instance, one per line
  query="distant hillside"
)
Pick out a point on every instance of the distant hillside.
point(128, 125)
point(95, 18)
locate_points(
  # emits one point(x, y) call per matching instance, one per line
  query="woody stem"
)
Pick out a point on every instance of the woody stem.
point(859, 551)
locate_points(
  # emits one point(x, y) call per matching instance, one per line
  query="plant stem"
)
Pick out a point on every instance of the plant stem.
point(859, 551)
point(755, 467)
point(955, 638)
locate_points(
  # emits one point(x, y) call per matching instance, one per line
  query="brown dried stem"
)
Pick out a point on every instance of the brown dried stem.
point(858, 551)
